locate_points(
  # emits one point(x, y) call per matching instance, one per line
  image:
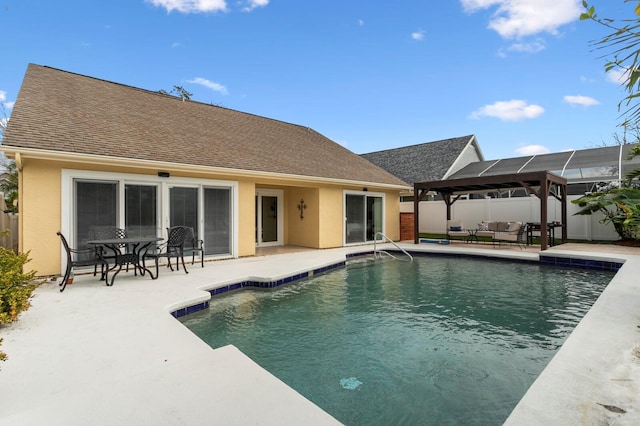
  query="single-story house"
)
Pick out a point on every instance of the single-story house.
point(92, 152)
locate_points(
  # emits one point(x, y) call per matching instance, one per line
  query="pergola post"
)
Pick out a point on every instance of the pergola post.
point(418, 195)
point(563, 190)
point(416, 213)
point(544, 201)
point(447, 200)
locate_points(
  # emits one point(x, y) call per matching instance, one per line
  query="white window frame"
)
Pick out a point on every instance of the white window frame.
point(163, 184)
point(344, 214)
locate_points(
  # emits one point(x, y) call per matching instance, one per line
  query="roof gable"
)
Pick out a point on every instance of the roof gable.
point(66, 112)
point(424, 162)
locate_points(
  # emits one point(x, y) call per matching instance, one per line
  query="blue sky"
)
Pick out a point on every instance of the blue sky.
point(519, 74)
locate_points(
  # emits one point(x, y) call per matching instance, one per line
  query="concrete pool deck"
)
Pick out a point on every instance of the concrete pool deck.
point(114, 355)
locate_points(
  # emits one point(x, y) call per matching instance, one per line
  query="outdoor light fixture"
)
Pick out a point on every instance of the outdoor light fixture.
point(302, 207)
point(163, 174)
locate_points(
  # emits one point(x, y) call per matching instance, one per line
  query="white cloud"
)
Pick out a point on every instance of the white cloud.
point(3, 99)
point(513, 110)
point(216, 87)
point(361, 22)
point(175, 44)
point(418, 35)
point(191, 6)
point(252, 4)
point(618, 76)
point(580, 100)
point(519, 18)
point(531, 47)
point(533, 150)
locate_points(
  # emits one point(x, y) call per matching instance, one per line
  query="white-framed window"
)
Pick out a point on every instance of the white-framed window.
point(145, 205)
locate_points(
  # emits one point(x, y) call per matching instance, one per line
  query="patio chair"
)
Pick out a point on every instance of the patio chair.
point(194, 245)
point(455, 228)
point(172, 247)
point(84, 257)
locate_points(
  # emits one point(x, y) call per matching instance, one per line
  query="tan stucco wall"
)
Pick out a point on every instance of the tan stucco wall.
point(392, 215)
point(40, 216)
point(246, 218)
point(322, 226)
point(302, 232)
point(331, 224)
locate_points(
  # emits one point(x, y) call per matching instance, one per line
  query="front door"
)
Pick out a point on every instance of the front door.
point(269, 220)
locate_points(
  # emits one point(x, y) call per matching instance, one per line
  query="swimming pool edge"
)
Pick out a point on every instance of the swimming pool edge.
point(568, 259)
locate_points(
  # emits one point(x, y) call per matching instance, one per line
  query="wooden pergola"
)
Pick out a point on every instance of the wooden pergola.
point(541, 184)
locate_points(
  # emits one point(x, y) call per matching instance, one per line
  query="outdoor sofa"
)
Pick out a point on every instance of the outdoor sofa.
point(498, 231)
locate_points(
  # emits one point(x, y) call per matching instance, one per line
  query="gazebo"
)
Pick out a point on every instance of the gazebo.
point(542, 184)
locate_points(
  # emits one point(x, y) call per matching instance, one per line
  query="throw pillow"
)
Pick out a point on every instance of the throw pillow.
point(484, 226)
point(455, 228)
point(513, 226)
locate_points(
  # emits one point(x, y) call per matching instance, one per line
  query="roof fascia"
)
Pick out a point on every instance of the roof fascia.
point(474, 141)
point(471, 144)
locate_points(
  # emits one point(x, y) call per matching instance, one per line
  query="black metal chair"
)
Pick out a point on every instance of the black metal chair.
point(84, 257)
point(172, 247)
point(193, 244)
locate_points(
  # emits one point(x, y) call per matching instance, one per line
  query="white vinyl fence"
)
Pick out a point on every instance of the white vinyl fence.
point(433, 215)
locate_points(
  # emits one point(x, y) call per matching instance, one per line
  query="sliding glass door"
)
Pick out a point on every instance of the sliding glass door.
point(141, 210)
point(183, 207)
point(96, 205)
point(146, 207)
point(364, 216)
point(217, 220)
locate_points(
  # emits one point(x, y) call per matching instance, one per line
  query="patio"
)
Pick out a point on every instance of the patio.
point(107, 355)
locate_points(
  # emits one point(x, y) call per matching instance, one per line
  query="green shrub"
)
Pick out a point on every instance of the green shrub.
point(16, 286)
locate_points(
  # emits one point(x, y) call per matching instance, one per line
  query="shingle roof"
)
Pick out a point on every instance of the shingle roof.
point(65, 112)
point(423, 162)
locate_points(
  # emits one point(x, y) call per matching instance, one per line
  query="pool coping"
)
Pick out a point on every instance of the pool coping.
point(73, 351)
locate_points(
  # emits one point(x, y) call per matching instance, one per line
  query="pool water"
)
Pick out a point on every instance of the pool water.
point(441, 340)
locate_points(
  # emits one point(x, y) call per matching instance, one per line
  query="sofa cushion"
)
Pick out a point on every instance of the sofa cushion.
point(484, 226)
point(513, 226)
point(493, 226)
point(485, 234)
point(502, 226)
point(505, 236)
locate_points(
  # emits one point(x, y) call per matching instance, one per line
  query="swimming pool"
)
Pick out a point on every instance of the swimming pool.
point(438, 341)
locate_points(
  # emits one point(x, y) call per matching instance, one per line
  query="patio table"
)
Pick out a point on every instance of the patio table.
point(127, 250)
point(536, 227)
